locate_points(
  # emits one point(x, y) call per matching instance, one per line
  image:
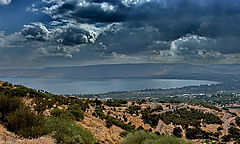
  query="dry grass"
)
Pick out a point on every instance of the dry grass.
point(100, 131)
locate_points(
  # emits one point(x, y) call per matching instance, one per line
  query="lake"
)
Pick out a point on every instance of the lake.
point(99, 86)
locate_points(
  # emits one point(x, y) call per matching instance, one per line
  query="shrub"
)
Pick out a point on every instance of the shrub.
point(142, 137)
point(138, 137)
point(220, 128)
point(21, 91)
point(115, 103)
point(68, 132)
point(234, 133)
point(238, 121)
point(133, 109)
point(149, 118)
point(196, 133)
point(26, 123)
point(79, 104)
point(8, 105)
point(124, 133)
point(109, 123)
point(211, 107)
point(166, 139)
point(113, 120)
point(186, 116)
point(226, 138)
point(157, 109)
point(78, 114)
point(177, 132)
point(62, 113)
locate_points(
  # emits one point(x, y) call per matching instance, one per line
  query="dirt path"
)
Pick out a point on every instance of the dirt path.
point(173, 109)
point(227, 122)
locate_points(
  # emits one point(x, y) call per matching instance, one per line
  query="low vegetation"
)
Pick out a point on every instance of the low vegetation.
point(68, 132)
point(112, 120)
point(26, 123)
point(18, 117)
point(29, 122)
point(32, 114)
point(237, 121)
point(234, 135)
point(197, 133)
point(115, 103)
point(191, 117)
point(142, 137)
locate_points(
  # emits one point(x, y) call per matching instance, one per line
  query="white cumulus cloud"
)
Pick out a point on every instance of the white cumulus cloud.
point(3, 2)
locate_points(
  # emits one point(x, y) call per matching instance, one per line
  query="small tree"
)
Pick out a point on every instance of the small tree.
point(26, 123)
point(109, 123)
point(177, 132)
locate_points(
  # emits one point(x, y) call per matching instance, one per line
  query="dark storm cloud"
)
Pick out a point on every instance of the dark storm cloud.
point(229, 45)
point(93, 11)
point(75, 36)
point(122, 31)
point(128, 40)
point(67, 7)
point(118, 3)
point(173, 18)
point(189, 15)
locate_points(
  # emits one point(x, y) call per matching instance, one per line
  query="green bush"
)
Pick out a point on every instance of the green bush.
point(133, 109)
point(186, 116)
point(177, 132)
point(112, 120)
point(211, 107)
point(109, 123)
point(238, 121)
point(149, 118)
point(197, 133)
point(220, 128)
point(17, 117)
point(7, 105)
point(142, 137)
point(115, 103)
point(21, 91)
point(26, 123)
point(68, 132)
point(78, 114)
point(62, 113)
point(124, 133)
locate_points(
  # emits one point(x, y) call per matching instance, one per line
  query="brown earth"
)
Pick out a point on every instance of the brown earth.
point(100, 131)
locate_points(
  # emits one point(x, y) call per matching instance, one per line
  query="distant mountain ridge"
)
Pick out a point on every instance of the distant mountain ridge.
point(149, 70)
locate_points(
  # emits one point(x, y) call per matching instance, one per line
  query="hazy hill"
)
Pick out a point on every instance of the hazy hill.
point(130, 71)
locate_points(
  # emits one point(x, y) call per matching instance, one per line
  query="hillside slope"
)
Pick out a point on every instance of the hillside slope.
point(28, 113)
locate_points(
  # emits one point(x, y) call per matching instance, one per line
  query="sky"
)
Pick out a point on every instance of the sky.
point(46, 33)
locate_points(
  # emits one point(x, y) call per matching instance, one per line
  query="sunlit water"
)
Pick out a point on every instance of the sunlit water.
point(97, 86)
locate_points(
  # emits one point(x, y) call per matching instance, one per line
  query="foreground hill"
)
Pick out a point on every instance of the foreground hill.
point(28, 113)
point(150, 70)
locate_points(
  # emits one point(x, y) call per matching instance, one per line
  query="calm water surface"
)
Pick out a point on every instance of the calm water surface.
point(90, 86)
